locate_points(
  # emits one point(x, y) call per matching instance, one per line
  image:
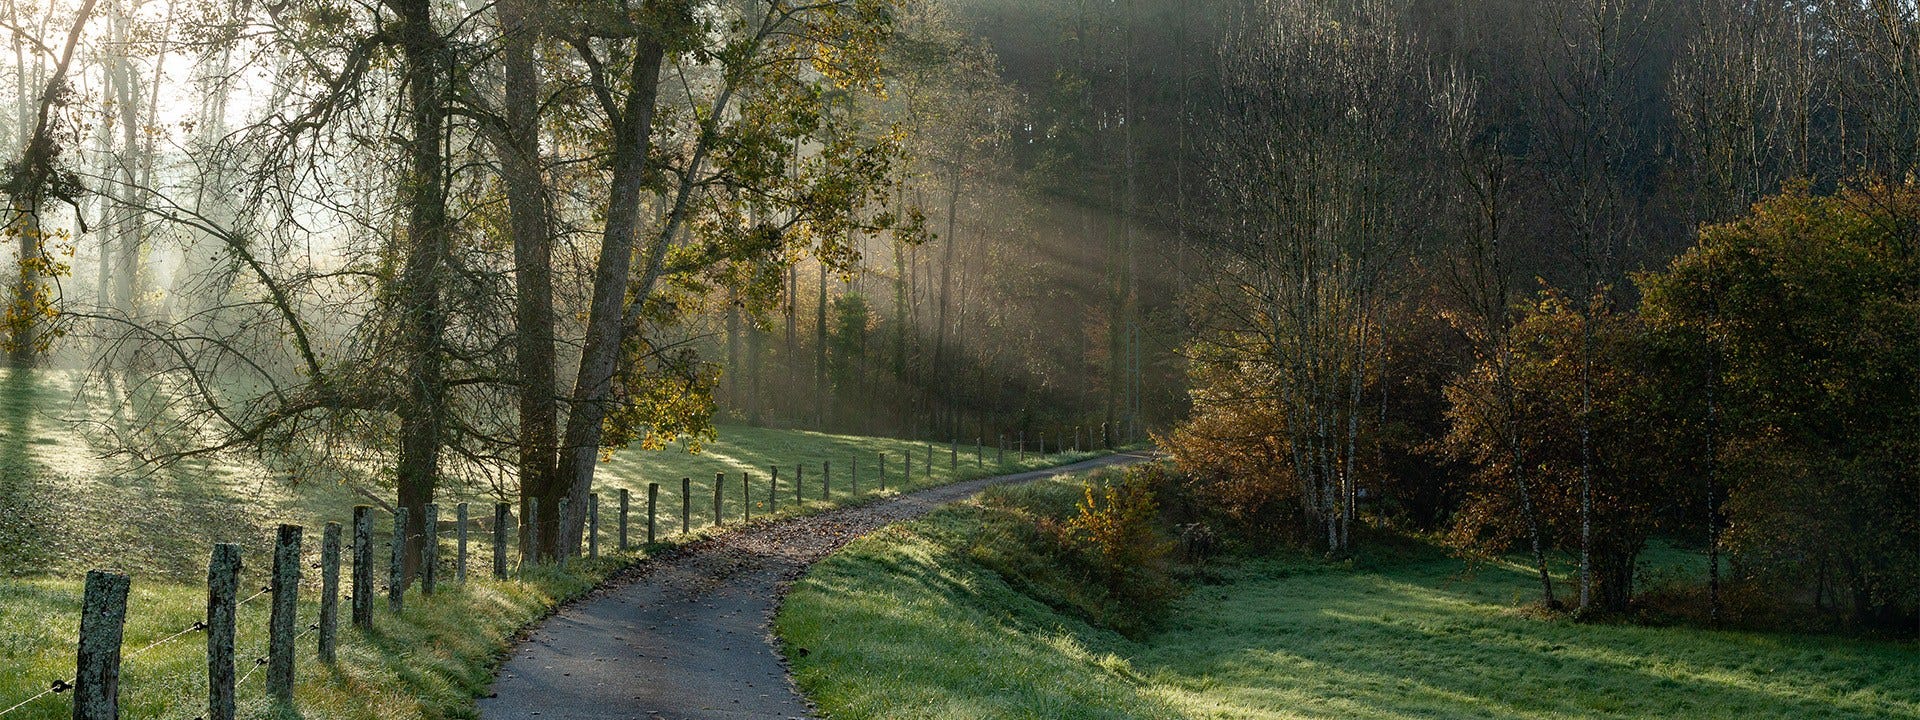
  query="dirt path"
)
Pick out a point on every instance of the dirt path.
point(686, 637)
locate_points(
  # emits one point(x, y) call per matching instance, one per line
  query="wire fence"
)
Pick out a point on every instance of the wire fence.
point(288, 552)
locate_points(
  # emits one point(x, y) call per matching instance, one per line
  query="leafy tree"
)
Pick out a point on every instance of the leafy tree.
point(1809, 308)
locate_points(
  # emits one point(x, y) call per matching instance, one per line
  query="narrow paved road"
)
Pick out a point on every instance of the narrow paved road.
point(687, 636)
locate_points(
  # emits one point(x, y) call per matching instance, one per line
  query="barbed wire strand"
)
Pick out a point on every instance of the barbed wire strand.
point(57, 686)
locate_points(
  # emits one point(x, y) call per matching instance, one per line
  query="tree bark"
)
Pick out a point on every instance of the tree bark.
point(428, 245)
point(521, 173)
point(599, 358)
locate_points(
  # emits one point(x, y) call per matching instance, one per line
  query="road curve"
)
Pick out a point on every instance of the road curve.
point(686, 636)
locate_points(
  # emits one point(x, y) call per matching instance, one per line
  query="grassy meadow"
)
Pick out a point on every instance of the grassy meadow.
point(65, 509)
point(908, 623)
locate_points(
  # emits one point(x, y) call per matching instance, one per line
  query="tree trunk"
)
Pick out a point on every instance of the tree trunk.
point(607, 313)
point(428, 245)
point(521, 173)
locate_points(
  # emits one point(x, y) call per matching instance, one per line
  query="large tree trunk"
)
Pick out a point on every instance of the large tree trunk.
point(606, 317)
point(520, 171)
point(428, 244)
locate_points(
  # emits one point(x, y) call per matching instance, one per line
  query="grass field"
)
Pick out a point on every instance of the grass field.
point(1414, 634)
point(64, 510)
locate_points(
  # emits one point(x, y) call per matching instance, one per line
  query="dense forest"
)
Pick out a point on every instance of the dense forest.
point(1549, 277)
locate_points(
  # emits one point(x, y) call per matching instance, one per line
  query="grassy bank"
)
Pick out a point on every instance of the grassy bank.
point(910, 624)
point(64, 510)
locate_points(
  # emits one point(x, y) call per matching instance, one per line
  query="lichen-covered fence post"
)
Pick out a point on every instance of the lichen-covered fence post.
point(223, 587)
point(799, 483)
point(653, 503)
point(500, 511)
point(362, 566)
point(460, 539)
point(430, 549)
point(533, 534)
point(284, 616)
point(593, 525)
point(686, 505)
point(559, 532)
point(103, 619)
point(396, 580)
point(329, 591)
point(626, 497)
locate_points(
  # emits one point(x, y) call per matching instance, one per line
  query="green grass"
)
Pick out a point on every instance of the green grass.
point(64, 510)
point(905, 624)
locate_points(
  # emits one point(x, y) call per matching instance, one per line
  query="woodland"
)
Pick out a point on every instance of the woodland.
point(1544, 280)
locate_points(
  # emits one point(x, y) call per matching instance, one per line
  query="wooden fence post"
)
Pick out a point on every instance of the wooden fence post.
point(223, 587)
point(853, 476)
point(1001, 457)
point(103, 619)
point(593, 525)
point(883, 472)
point(907, 474)
point(281, 622)
point(430, 549)
point(363, 566)
point(686, 505)
point(329, 590)
point(953, 455)
point(1023, 446)
point(799, 483)
point(533, 532)
point(653, 501)
point(929, 462)
point(460, 539)
point(500, 511)
point(561, 551)
point(625, 498)
point(979, 451)
point(826, 480)
point(719, 482)
point(396, 582)
point(773, 491)
point(746, 497)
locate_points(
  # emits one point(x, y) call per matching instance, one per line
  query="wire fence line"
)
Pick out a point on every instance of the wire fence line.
point(290, 558)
